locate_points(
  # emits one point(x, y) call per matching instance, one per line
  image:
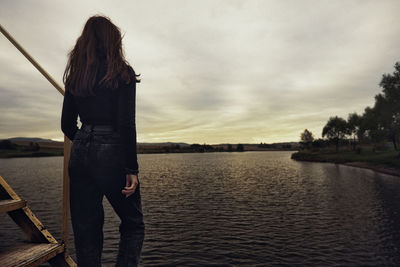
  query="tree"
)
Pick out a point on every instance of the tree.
point(7, 144)
point(319, 143)
point(385, 119)
point(371, 127)
point(353, 127)
point(230, 148)
point(240, 147)
point(306, 138)
point(387, 105)
point(335, 130)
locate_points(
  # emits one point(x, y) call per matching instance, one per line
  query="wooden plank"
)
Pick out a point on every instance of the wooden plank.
point(62, 260)
point(7, 192)
point(25, 219)
point(31, 226)
point(7, 205)
point(29, 254)
point(70, 261)
point(65, 201)
point(56, 253)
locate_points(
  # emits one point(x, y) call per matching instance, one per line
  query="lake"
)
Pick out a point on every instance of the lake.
point(238, 208)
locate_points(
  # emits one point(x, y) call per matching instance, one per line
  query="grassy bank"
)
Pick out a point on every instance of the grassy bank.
point(386, 161)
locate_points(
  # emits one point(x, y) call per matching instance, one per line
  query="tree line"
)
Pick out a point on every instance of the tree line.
point(377, 124)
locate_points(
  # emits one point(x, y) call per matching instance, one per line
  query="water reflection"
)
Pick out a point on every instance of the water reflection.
point(251, 208)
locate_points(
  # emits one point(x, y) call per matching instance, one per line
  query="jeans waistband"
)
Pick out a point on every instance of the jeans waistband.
point(97, 128)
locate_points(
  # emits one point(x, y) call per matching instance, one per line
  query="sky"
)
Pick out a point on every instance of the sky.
point(212, 71)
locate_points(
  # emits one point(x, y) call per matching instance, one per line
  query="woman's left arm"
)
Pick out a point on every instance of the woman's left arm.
point(69, 116)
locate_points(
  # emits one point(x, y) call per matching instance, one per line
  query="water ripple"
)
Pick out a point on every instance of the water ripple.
point(230, 209)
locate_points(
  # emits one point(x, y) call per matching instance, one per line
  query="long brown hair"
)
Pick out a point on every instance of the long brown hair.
point(100, 42)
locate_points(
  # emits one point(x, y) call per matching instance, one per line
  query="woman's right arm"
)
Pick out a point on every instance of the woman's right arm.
point(127, 125)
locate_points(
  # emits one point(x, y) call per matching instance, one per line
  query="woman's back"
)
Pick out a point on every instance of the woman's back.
point(102, 108)
point(114, 107)
point(101, 89)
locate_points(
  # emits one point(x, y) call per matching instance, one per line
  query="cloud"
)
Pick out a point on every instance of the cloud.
point(212, 71)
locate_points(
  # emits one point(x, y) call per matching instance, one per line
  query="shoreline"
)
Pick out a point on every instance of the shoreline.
point(380, 167)
point(60, 154)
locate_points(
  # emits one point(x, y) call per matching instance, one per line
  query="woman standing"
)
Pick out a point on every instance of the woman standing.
point(100, 87)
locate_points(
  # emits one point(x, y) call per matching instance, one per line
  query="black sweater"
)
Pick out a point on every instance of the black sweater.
point(112, 107)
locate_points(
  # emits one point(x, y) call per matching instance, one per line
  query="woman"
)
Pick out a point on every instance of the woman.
point(100, 87)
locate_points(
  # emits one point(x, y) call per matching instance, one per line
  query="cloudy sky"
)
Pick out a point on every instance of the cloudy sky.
point(212, 71)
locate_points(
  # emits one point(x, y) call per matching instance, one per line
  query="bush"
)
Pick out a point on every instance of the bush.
point(7, 144)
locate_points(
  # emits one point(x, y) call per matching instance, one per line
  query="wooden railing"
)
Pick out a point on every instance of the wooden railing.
point(67, 148)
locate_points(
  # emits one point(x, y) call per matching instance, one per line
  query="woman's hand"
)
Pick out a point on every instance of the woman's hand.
point(131, 184)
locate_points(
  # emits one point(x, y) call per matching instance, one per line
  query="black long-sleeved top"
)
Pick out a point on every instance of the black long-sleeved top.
point(113, 107)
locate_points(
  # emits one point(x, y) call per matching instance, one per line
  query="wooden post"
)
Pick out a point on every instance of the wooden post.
point(67, 142)
point(67, 150)
point(65, 232)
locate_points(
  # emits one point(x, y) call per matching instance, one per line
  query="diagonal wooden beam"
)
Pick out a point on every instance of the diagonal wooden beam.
point(67, 142)
point(32, 60)
point(25, 219)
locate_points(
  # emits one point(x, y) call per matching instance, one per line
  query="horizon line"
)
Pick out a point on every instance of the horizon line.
point(175, 142)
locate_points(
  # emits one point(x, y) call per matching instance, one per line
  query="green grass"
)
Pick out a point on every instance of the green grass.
point(389, 157)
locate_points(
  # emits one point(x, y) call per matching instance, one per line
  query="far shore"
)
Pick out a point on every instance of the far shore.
point(36, 147)
point(386, 162)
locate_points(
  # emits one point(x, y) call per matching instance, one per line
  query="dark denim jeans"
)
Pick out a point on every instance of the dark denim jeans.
point(96, 169)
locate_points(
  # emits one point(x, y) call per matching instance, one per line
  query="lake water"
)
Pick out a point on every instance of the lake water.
point(229, 209)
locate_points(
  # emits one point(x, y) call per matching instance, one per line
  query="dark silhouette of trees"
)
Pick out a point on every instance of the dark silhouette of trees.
point(353, 127)
point(197, 147)
point(335, 130)
point(377, 124)
point(240, 147)
point(382, 121)
point(7, 144)
point(320, 143)
point(33, 146)
point(265, 145)
point(306, 138)
point(370, 126)
point(201, 148)
point(387, 105)
point(230, 149)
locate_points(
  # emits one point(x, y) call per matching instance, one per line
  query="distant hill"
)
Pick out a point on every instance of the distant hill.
point(30, 139)
point(164, 144)
point(38, 140)
point(35, 147)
